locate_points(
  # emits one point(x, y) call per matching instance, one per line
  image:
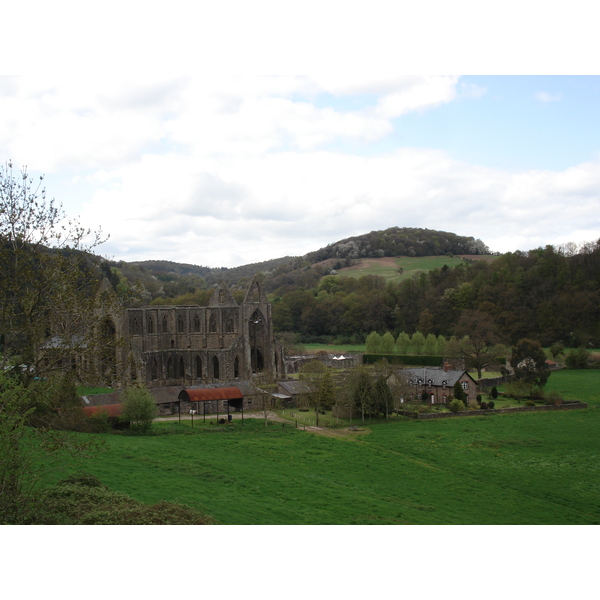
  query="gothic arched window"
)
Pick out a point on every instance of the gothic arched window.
point(212, 324)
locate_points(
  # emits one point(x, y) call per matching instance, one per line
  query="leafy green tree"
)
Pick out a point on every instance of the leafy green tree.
point(430, 345)
point(50, 308)
point(50, 312)
point(440, 348)
point(313, 373)
point(327, 391)
point(139, 408)
point(403, 343)
point(387, 343)
point(362, 391)
point(577, 358)
point(556, 350)
point(417, 342)
point(384, 400)
point(480, 344)
point(528, 361)
point(373, 343)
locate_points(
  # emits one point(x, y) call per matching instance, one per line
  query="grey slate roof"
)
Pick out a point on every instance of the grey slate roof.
point(293, 388)
point(436, 375)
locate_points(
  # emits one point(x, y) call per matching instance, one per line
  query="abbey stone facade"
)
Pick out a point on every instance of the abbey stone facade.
point(192, 345)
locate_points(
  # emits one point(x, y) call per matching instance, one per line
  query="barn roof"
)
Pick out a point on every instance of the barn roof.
point(113, 410)
point(207, 394)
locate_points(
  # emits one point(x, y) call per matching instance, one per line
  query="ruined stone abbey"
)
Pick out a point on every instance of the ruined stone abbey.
point(191, 345)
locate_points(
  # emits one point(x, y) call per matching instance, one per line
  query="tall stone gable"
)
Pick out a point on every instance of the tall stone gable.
point(190, 345)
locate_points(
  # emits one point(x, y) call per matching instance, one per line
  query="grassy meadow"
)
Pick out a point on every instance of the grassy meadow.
point(529, 468)
point(389, 268)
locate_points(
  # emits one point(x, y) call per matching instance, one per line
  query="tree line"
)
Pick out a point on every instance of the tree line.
point(548, 294)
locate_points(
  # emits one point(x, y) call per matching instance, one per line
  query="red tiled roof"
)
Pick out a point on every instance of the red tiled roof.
point(113, 410)
point(205, 395)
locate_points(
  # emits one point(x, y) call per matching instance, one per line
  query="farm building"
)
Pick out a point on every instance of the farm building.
point(437, 382)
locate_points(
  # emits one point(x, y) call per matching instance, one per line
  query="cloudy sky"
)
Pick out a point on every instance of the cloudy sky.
point(229, 170)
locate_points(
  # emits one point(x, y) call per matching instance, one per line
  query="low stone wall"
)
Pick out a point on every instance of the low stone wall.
point(491, 411)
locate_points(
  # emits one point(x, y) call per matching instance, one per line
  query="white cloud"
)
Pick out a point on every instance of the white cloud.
point(547, 97)
point(228, 170)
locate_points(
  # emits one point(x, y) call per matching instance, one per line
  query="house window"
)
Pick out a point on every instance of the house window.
point(432, 399)
point(465, 385)
point(444, 398)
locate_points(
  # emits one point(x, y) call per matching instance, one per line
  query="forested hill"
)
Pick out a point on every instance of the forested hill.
point(167, 279)
point(399, 241)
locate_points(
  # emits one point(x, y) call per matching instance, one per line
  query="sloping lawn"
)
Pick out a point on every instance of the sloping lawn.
point(532, 468)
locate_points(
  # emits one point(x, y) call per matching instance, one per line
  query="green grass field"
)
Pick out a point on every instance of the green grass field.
point(530, 468)
point(389, 267)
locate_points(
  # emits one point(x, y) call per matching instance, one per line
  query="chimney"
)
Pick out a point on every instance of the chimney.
point(447, 367)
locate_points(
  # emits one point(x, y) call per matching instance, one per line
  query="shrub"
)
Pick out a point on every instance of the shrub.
point(494, 392)
point(491, 404)
point(138, 408)
point(577, 359)
point(530, 403)
point(483, 406)
point(456, 405)
point(553, 397)
point(458, 392)
point(479, 398)
point(82, 499)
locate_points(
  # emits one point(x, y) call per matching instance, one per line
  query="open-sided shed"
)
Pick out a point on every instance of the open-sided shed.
point(232, 397)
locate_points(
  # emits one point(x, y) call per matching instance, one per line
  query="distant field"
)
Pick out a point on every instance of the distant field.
point(529, 468)
point(389, 267)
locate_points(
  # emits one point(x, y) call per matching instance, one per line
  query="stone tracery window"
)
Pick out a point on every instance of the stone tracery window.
point(150, 325)
point(212, 324)
point(180, 324)
point(196, 323)
point(165, 325)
